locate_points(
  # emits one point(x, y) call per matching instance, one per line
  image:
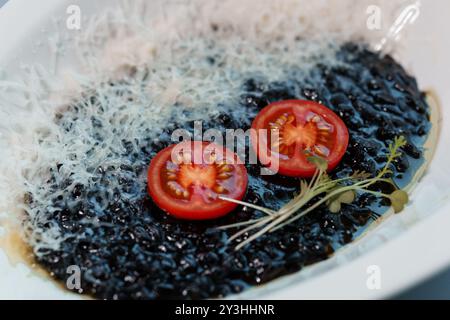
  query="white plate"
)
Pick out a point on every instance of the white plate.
point(405, 248)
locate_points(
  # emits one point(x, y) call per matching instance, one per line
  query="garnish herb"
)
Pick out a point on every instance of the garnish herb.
point(334, 193)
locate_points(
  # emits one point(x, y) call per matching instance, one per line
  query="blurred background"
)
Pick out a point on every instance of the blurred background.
point(437, 287)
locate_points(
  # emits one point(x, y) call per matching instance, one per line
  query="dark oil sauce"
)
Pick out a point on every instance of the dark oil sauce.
point(139, 252)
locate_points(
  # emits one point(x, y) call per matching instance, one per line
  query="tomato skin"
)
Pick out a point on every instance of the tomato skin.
point(196, 208)
point(298, 166)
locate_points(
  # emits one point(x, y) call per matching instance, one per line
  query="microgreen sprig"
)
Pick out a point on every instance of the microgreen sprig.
point(333, 193)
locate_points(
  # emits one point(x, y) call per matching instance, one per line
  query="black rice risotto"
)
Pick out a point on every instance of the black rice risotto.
point(136, 251)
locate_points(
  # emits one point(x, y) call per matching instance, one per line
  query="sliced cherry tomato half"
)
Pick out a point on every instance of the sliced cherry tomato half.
point(187, 179)
point(294, 130)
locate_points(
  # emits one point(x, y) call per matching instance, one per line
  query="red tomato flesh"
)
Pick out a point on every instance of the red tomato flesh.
point(302, 128)
point(187, 179)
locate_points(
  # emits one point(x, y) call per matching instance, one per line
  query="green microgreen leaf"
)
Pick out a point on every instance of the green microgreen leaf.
point(399, 199)
point(334, 207)
point(319, 162)
point(347, 197)
point(335, 204)
point(360, 175)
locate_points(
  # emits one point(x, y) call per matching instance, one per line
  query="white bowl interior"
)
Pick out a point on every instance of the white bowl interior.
point(406, 247)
